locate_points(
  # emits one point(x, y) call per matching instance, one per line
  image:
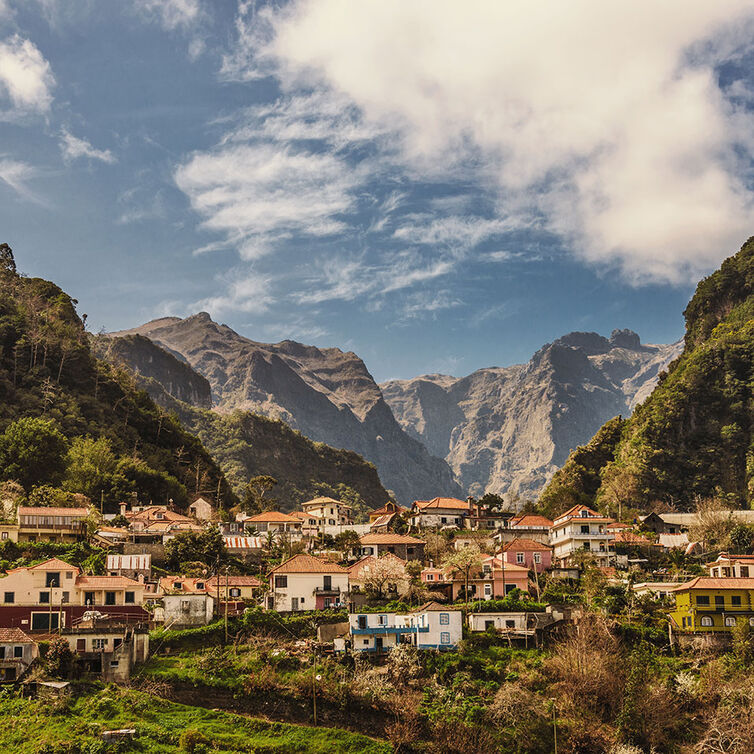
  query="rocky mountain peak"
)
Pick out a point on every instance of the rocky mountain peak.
point(625, 339)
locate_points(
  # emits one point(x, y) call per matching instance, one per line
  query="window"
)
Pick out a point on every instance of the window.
point(586, 546)
point(185, 606)
point(366, 642)
point(444, 619)
point(114, 663)
point(744, 572)
point(88, 598)
point(69, 574)
point(18, 651)
point(537, 558)
point(730, 621)
point(430, 577)
point(510, 623)
point(52, 578)
point(382, 620)
point(519, 558)
point(585, 529)
point(327, 583)
point(235, 592)
point(5, 535)
point(706, 621)
point(584, 514)
point(443, 520)
point(719, 600)
point(99, 644)
point(735, 600)
point(489, 624)
point(130, 598)
point(109, 598)
point(509, 588)
point(2, 653)
point(702, 599)
point(751, 622)
point(65, 597)
point(281, 582)
point(44, 621)
point(200, 585)
point(445, 637)
point(409, 551)
point(9, 597)
point(487, 591)
point(362, 621)
point(44, 597)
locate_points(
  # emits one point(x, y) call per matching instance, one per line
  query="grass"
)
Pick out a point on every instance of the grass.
point(73, 727)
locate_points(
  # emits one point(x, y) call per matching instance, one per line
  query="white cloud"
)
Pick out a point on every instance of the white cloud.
point(258, 193)
point(603, 120)
point(246, 292)
point(171, 14)
point(463, 232)
point(74, 148)
point(25, 76)
point(16, 175)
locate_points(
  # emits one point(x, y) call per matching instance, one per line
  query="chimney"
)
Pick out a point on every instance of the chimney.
point(123, 508)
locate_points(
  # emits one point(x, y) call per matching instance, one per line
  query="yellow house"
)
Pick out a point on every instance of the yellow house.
point(712, 605)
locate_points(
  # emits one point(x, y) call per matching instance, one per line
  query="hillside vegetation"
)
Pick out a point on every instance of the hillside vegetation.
point(692, 438)
point(70, 422)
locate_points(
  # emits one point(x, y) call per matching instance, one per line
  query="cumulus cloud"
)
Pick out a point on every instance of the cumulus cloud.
point(258, 193)
point(25, 76)
point(602, 121)
point(245, 292)
point(171, 14)
point(73, 148)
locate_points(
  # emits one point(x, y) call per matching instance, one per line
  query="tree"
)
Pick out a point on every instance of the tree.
point(741, 539)
point(714, 524)
point(385, 572)
point(93, 470)
point(464, 561)
point(59, 658)
point(254, 499)
point(206, 547)
point(347, 541)
point(32, 452)
point(7, 260)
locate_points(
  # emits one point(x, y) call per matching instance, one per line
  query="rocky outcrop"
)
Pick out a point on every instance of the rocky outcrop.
point(510, 429)
point(327, 394)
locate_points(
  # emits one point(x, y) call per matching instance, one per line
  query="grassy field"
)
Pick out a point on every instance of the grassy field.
point(73, 727)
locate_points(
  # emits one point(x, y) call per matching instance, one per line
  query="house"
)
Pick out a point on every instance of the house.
point(674, 541)
point(655, 588)
point(528, 552)
point(233, 588)
point(328, 512)
point(244, 547)
point(525, 526)
point(478, 539)
point(201, 510)
point(304, 582)
point(9, 532)
point(182, 585)
point(359, 572)
point(494, 580)
point(17, 652)
point(712, 605)
point(625, 540)
point(581, 528)
point(389, 509)
point(57, 524)
point(431, 626)
point(109, 536)
point(187, 609)
point(108, 647)
point(54, 593)
point(402, 545)
point(157, 523)
point(440, 512)
point(309, 523)
point(514, 623)
point(485, 518)
point(282, 525)
point(136, 567)
point(732, 566)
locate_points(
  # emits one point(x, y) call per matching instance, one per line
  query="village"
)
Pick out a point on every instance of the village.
point(426, 577)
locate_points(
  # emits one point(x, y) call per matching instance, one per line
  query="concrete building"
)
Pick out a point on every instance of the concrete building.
point(136, 567)
point(402, 545)
point(201, 510)
point(55, 524)
point(304, 582)
point(529, 553)
point(440, 513)
point(494, 580)
point(281, 524)
point(525, 526)
point(581, 528)
point(732, 566)
point(329, 512)
point(17, 652)
point(187, 610)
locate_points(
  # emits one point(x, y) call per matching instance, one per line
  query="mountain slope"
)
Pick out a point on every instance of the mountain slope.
point(693, 436)
point(326, 394)
point(245, 444)
point(510, 428)
point(48, 370)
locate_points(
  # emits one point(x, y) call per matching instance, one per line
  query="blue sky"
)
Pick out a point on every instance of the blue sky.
point(438, 186)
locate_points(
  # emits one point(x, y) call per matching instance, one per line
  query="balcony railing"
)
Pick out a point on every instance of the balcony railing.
point(327, 590)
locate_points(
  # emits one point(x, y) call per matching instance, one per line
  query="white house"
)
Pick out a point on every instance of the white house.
point(431, 626)
point(440, 512)
point(304, 582)
point(328, 512)
point(581, 528)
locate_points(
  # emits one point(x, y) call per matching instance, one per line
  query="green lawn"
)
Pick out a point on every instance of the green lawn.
point(73, 727)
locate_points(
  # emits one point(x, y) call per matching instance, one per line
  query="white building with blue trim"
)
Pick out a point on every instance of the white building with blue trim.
point(431, 626)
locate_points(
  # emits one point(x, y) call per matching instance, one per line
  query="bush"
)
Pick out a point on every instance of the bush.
point(193, 741)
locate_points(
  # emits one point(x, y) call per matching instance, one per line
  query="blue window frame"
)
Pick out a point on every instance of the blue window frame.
point(445, 637)
point(444, 619)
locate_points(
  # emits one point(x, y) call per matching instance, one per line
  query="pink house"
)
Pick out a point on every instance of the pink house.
point(495, 580)
point(526, 552)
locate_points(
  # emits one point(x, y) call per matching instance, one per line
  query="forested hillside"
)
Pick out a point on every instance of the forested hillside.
point(70, 423)
point(692, 438)
point(247, 444)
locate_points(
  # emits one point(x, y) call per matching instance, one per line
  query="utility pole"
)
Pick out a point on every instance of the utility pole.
point(314, 685)
point(554, 727)
point(226, 601)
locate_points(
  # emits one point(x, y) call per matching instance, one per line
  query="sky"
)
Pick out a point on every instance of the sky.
point(438, 186)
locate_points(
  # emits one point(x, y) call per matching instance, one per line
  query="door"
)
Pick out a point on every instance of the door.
point(327, 583)
point(378, 643)
point(81, 645)
point(294, 603)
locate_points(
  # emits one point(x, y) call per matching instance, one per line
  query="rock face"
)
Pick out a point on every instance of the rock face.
point(509, 429)
point(326, 394)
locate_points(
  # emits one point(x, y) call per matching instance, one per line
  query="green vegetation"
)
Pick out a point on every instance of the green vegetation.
point(67, 418)
point(74, 727)
point(692, 438)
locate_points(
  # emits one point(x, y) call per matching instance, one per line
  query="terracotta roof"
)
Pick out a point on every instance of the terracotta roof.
point(387, 508)
point(44, 511)
point(521, 544)
point(433, 607)
point(383, 520)
point(14, 636)
point(497, 564)
point(325, 501)
point(188, 584)
point(446, 503)
point(273, 517)
point(631, 538)
point(356, 569)
point(618, 525)
point(575, 512)
point(706, 582)
point(234, 581)
point(389, 539)
point(530, 519)
point(723, 557)
point(303, 515)
point(304, 563)
point(53, 564)
point(107, 582)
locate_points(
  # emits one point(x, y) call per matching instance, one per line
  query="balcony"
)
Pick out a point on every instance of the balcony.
point(384, 630)
point(332, 591)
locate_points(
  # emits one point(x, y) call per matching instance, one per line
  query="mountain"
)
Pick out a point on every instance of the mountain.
point(693, 437)
point(510, 428)
point(48, 371)
point(326, 394)
point(247, 444)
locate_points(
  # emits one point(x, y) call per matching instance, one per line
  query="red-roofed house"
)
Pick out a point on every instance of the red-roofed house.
point(57, 524)
point(402, 545)
point(304, 582)
point(282, 524)
point(527, 552)
point(581, 528)
point(17, 652)
point(440, 512)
